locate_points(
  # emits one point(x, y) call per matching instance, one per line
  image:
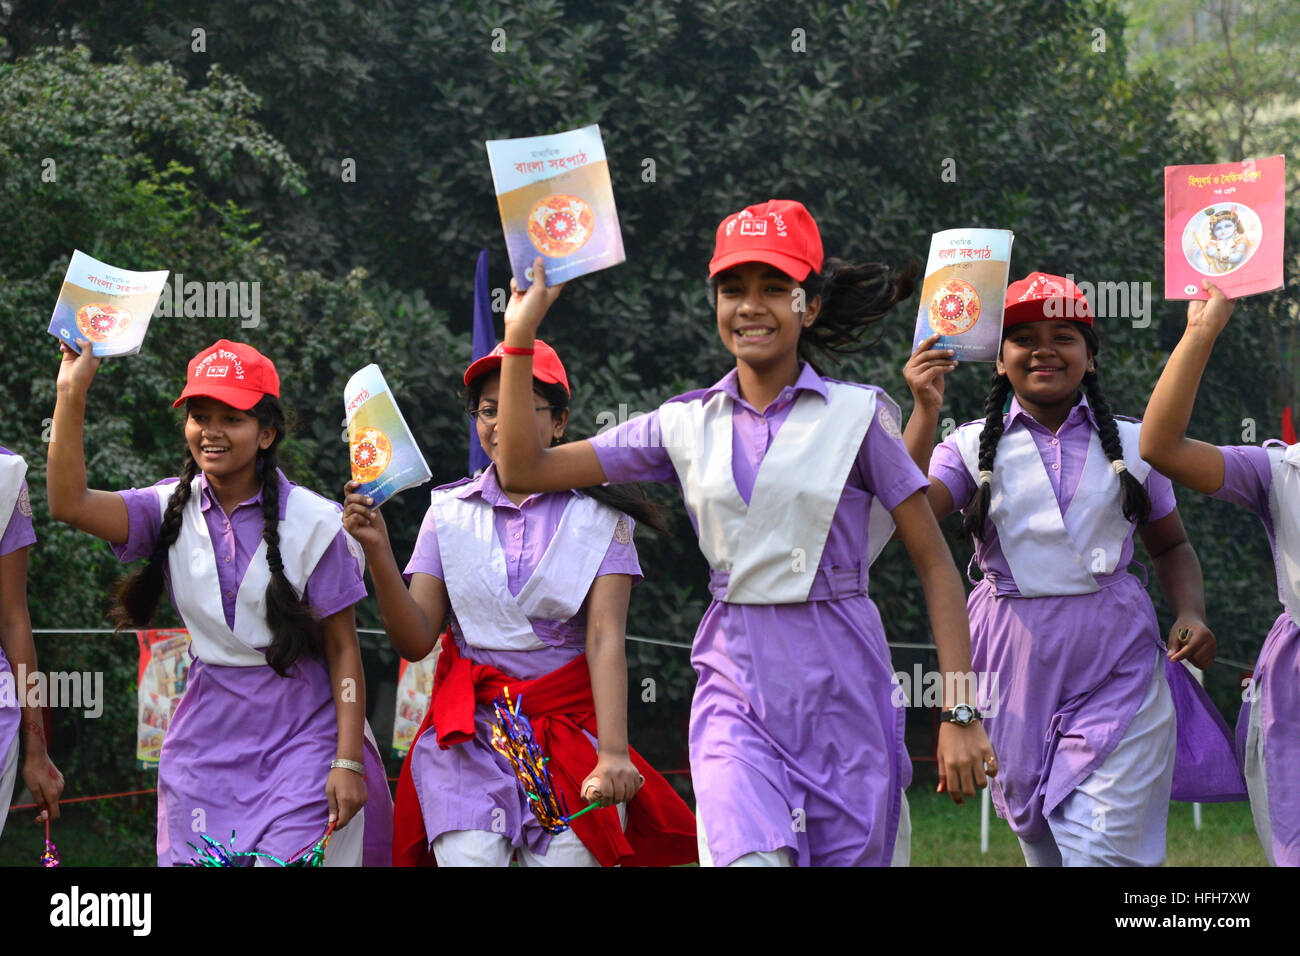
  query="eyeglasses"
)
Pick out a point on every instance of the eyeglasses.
point(487, 414)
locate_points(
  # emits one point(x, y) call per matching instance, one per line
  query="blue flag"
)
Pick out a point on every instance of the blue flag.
point(485, 341)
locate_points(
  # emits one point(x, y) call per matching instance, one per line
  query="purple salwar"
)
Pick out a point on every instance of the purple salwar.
point(795, 740)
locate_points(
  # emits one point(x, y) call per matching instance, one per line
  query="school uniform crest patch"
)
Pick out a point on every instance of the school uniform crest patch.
point(622, 533)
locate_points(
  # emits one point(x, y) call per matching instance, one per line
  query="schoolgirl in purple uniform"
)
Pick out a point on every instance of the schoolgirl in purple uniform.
point(796, 743)
point(270, 740)
point(20, 716)
point(1090, 709)
point(1265, 480)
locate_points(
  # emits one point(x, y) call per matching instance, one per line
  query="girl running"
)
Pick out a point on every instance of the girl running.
point(1267, 481)
point(18, 717)
point(1053, 489)
point(270, 740)
point(536, 589)
point(796, 743)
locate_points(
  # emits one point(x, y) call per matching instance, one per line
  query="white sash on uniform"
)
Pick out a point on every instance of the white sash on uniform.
point(796, 491)
point(474, 569)
point(308, 528)
point(13, 468)
point(1284, 507)
point(1050, 553)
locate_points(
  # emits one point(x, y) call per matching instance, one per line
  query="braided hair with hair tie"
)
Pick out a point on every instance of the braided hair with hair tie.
point(295, 629)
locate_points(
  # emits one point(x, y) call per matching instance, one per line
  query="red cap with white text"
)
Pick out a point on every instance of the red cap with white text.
point(779, 232)
point(231, 372)
point(1041, 297)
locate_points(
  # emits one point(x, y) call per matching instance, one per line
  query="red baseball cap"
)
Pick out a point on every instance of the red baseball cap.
point(547, 366)
point(231, 372)
point(780, 232)
point(1028, 298)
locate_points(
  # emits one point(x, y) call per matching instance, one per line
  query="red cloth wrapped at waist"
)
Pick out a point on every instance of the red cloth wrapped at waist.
point(660, 827)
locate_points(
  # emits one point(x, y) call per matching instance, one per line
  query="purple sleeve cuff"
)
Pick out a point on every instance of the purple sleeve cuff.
point(426, 559)
point(634, 451)
point(1247, 478)
point(887, 469)
point(145, 519)
point(1160, 492)
point(947, 466)
point(621, 558)
point(19, 533)
point(336, 581)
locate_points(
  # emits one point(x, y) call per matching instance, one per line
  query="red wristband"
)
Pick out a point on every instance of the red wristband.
point(511, 350)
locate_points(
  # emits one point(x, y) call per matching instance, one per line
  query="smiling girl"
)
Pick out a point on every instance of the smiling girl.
point(796, 744)
point(536, 590)
point(269, 740)
point(1053, 490)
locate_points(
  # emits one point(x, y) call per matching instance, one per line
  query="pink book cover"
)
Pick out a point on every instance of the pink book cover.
point(1223, 223)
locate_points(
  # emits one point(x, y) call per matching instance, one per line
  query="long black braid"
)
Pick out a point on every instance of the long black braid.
point(294, 628)
point(978, 512)
point(138, 594)
point(1133, 497)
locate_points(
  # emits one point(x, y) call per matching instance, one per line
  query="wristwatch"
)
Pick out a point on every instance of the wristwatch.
point(963, 715)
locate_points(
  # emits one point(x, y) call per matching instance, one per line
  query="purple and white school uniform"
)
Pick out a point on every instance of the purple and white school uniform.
point(15, 532)
point(796, 746)
point(517, 577)
point(1092, 726)
point(249, 751)
point(1267, 481)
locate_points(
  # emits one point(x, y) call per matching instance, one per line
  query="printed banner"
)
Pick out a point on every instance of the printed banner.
point(414, 691)
point(164, 667)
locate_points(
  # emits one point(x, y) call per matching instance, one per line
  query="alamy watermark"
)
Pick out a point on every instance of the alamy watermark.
point(926, 688)
point(77, 690)
point(211, 300)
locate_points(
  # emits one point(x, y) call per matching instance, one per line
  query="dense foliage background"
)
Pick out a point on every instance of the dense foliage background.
point(213, 140)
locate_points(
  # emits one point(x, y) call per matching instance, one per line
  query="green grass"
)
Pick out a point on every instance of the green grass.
point(84, 838)
point(944, 834)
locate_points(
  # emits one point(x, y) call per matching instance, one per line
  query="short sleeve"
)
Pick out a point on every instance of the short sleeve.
point(634, 450)
point(335, 583)
point(144, 517)
point(1247, 477)
point(620, 556)
point(887, 470)
point(947, 466)
point(1160, 493)
point(425, 559)
point(19, 533)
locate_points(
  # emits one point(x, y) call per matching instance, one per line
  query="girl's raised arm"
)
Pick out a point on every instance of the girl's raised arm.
point(102, 513)
point(524, 465)
point(1163, 440)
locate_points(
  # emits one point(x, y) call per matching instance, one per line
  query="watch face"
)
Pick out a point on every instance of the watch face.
point(963, 714)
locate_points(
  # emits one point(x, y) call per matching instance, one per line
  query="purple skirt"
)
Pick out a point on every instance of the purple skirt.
point(1277, 675)
point(1071, 672)
point(248, 752)
point(795, 740)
